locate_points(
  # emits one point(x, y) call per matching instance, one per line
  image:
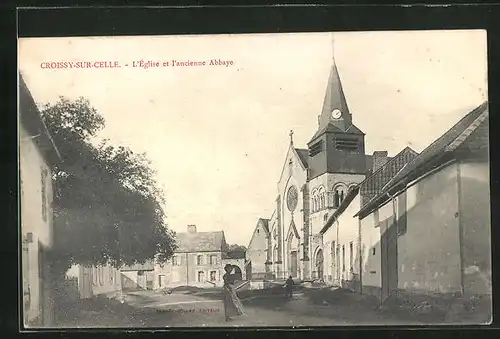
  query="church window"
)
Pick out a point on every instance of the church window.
point(175, 261)
point(199, 260)
point(316, 148)
point(201, 276)
point(290, 167)
point(346, 144)
point(213, 275)
point(339, 195)
point(258, 231)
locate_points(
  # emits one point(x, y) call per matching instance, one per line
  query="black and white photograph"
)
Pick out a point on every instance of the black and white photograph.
point(255, 180)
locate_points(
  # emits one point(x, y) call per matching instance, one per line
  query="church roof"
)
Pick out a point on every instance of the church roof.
point(265, 223)
point(303, 155)
point(331, 128)
point(437, 150)
point(199, 242)
point(335, 99)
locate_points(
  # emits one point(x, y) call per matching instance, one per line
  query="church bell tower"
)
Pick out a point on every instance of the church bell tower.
point(336, 162)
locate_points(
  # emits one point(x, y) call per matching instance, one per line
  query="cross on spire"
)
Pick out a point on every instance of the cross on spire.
point(291, 136)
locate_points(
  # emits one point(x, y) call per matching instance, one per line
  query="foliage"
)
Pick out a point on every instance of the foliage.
point(107, 206)
point(235, 251)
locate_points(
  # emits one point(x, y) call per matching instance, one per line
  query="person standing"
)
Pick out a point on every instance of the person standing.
point(232, 304)
point(289, 287)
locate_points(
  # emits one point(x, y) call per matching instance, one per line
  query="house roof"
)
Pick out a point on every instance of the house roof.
point(303, 156)
point(373, 183)
point(147, 266)
point(31, 119)
point(199, 242)
point(436, 151)
point(351, 194)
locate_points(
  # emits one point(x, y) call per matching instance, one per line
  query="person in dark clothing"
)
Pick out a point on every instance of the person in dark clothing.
point(289, 287)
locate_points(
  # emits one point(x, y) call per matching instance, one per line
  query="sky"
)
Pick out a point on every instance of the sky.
point(218, 136)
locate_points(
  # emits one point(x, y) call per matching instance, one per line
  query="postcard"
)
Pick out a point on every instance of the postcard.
point(262, 180)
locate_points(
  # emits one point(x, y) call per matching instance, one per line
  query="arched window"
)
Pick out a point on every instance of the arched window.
point(199, 260)
point(339, 194)
point(314, 200)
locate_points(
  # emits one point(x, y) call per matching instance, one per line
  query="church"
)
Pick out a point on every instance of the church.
point(313, 183)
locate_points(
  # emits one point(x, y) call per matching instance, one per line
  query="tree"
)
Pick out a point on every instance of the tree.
point(107, 205)
point(235, 251)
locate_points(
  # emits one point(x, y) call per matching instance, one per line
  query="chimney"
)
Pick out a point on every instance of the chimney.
point(379, 159)
point(191, 229)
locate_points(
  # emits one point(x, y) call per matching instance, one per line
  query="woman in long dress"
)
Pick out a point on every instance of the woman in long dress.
point(232, 304)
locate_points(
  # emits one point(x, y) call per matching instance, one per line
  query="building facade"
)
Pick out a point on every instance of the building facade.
point(37, 156)
point(313, 183)
point(198, 261)
point(431, 224)
point(95, 280)
point(258, 256)
point(138, 277)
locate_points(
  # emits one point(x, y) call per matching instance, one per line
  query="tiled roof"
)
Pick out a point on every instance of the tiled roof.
point(147, 266)
point(351, 194)
point(374, 183)
point(199, 242)
point(438, 147)
point(445, 144)
point(303, 156)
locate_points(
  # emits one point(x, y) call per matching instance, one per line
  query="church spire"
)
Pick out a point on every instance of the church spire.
point(335, 108)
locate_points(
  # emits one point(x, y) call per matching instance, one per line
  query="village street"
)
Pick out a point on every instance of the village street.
point(179, 310)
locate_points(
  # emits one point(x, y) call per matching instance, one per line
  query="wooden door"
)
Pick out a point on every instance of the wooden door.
point(389, 258)
point(293, 262)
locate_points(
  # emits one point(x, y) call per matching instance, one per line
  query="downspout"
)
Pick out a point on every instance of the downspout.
point(395, 224)
point(187, 269)
point(360, 250)
point(460, 232)
point(337, 252)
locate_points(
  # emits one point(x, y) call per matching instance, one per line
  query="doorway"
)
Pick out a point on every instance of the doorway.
point(389, 258)
point(319, 264)
point(293, 264)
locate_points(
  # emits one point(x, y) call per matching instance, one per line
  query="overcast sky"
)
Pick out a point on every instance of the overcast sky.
point(218, 136)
